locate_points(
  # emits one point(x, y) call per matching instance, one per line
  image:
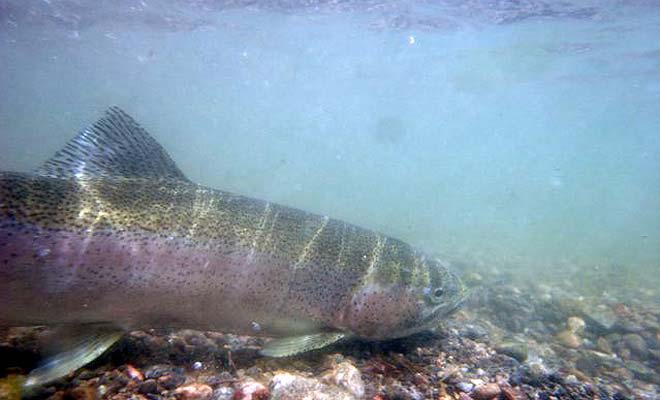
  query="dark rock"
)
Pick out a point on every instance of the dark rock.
point(171, 381)
point(158, 370)
point(148, 386)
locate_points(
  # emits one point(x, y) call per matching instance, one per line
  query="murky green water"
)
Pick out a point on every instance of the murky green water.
point(493, 136)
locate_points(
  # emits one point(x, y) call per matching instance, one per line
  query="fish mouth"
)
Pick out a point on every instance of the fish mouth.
point(457, 292)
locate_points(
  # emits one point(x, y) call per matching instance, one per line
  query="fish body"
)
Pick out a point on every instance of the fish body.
point(110, 231)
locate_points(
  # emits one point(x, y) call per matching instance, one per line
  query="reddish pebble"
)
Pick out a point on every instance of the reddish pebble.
point(487, 391)
point(194, 391)
point(463, 396)
point(510, 393)
point(251, 390)
point(134, 373)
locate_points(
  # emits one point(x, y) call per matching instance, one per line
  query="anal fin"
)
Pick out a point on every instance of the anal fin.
point(89, 345)
point(289, 346)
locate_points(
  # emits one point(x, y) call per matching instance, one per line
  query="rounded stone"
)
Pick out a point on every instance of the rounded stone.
point(517, 350)
point(569, 339)
point(486, 392)
point(575, 324)
point(636, 344)
point(194, 391)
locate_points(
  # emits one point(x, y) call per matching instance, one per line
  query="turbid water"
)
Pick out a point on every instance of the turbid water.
point(516, 139)
point(519, 138)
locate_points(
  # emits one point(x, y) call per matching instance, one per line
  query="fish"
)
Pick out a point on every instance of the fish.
point(109, 236)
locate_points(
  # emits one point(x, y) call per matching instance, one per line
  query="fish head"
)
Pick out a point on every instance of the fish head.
point(398, 305)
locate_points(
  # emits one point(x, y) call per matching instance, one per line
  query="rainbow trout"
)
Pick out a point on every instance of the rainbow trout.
point(110, 235)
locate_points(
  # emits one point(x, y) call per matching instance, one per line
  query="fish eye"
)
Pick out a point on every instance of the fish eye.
point(438, 292)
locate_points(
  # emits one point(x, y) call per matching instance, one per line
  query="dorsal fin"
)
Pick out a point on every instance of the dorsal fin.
point(116, 146)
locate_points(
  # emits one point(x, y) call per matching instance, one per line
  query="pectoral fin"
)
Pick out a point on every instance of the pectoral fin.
point(89, 344)
point(299, 344)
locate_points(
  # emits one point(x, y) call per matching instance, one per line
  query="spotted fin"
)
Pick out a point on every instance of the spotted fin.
point(95, 341)
point(300, 344)
point(116, 146)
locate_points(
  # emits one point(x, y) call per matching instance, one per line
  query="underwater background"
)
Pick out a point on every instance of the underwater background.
point(515, 135)
point(521, 136)
point(520, 140)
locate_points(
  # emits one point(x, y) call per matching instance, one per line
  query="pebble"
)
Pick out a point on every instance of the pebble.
point(347, 376)
point(569, 339)
point(636, 344)
point(641, 371)
point(510, 393)
point(575, 324)
point(655, 354)
point(148, 386)
point(517, 350)
point(251, 390)
point(465, 387)
point(194, 391)
point(486, 392)
point(571, 380)
point(603, 345)
point(223, 393)
point(134, 373)
point(289, 386)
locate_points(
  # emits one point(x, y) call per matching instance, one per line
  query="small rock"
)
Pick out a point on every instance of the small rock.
point(655, 354)
point(347, 376)
point(134, 373)
point(600, 319)
point(82, 393)
point(223, 393)
point(465, 387)
point(636, 344)
point(641, 371)
point(510, 393)
point(603, 345)
point(569, 339)
point(194, 391)
point(575, 324)
point(171, 381)
point(486, 392)
point(148, 386)
point(158, 370)
point(473, 331)
point(399, 391)
point(517, 350)
point(288, 386)
point(571, 379)
point(251, 390)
